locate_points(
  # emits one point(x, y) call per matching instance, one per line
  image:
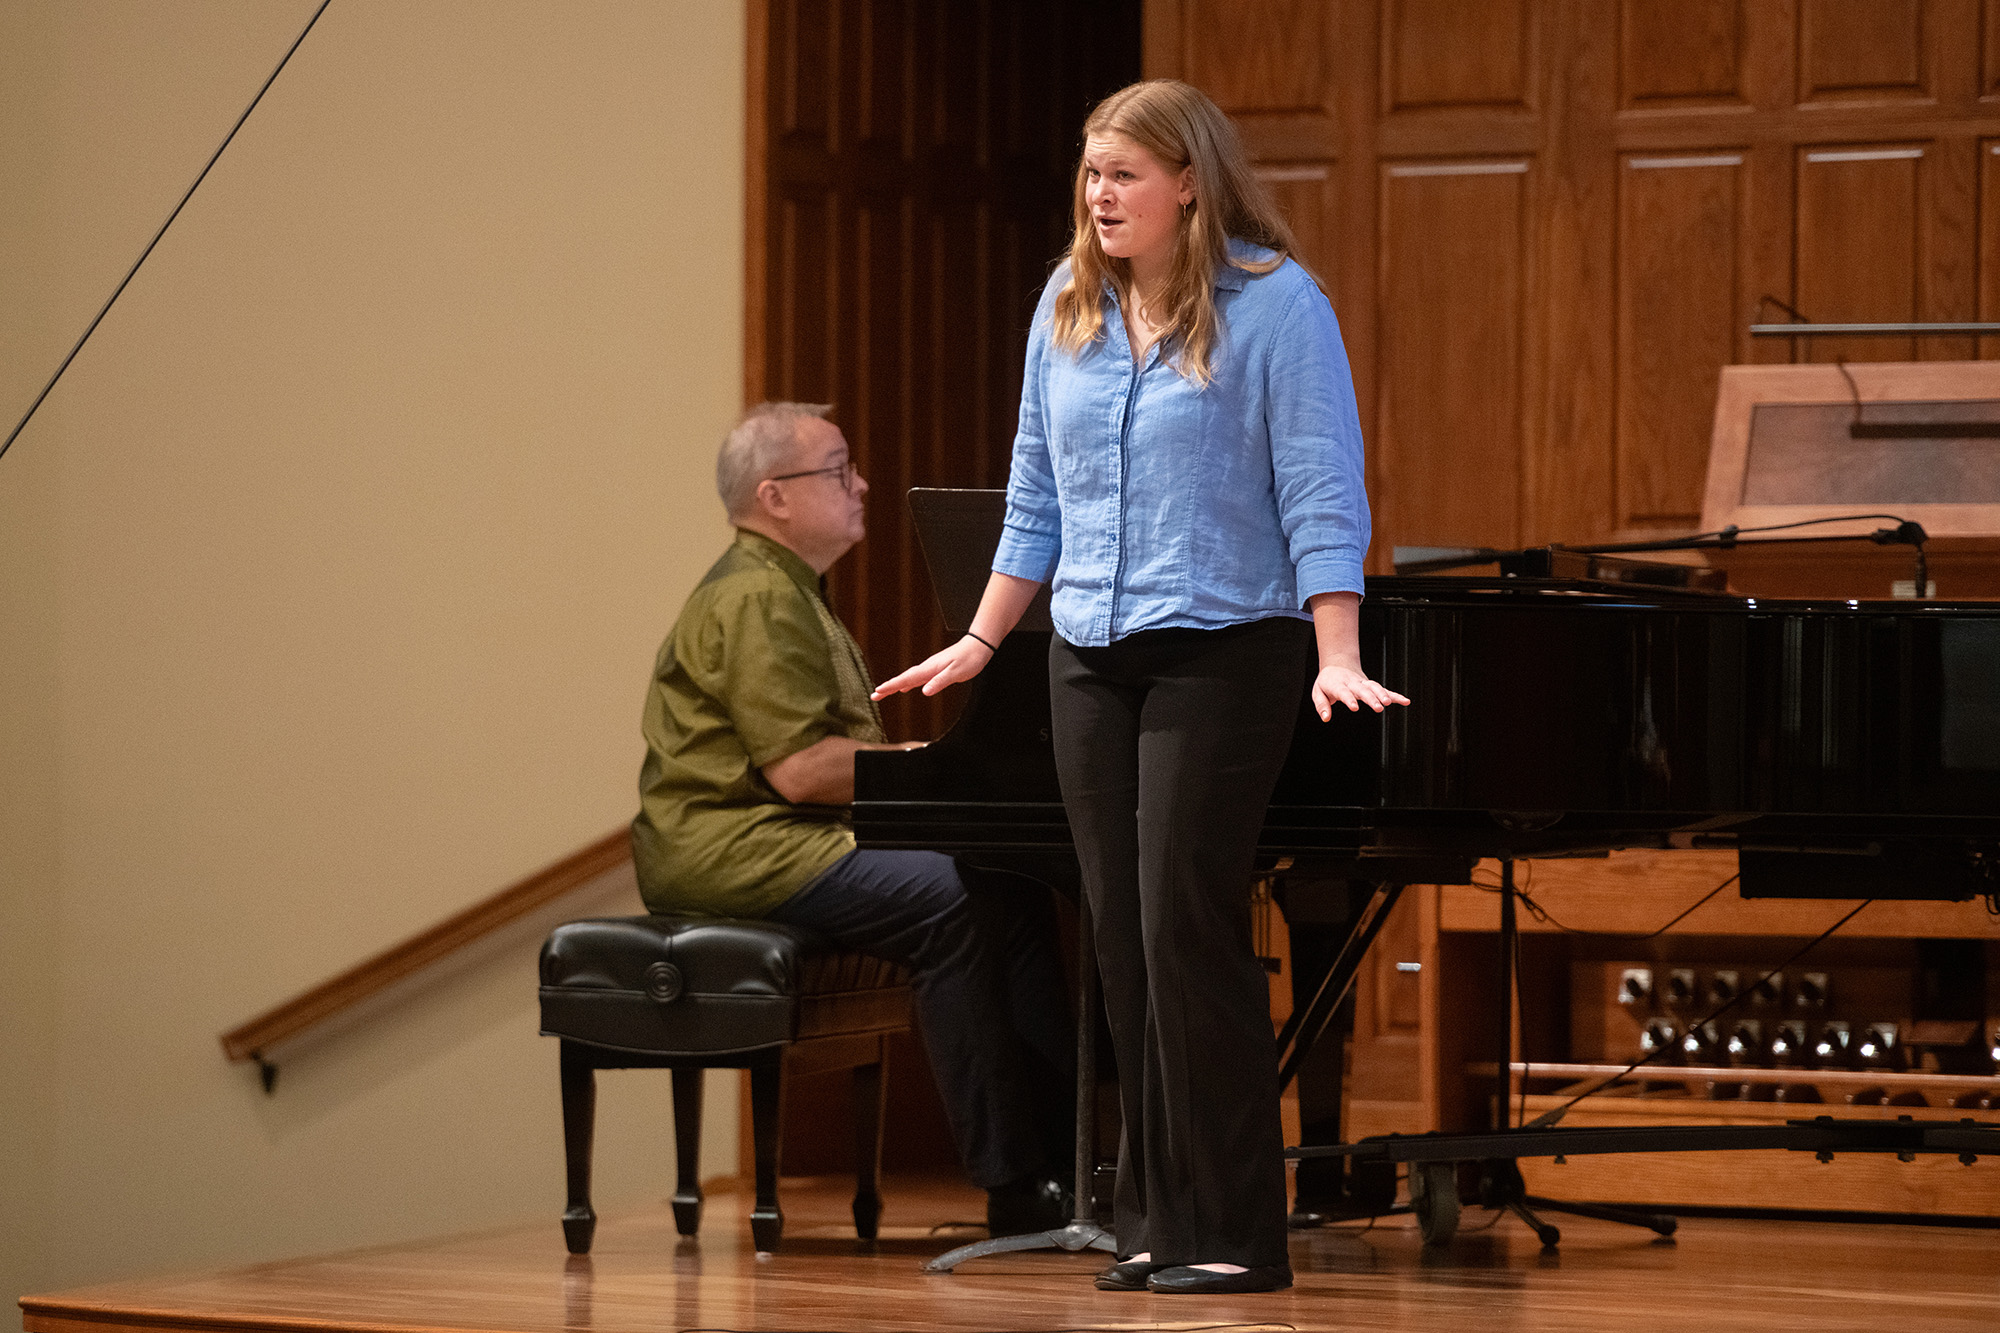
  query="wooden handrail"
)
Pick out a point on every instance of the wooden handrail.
point(371, 976)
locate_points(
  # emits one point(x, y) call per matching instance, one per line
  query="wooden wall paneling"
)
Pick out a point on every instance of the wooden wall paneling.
point(877, 578)
point(1679, 223)
point(1305, 194)
point(1767, 243)
point(1265, 62)
point(1858, 251)
point(1989, 49)
point(1568, 477)
point(803, 36)
point(1683, 53)
point(1353, 39)
point(916, 170)
point(1163, 39)
point(1864, 50)
point(1948, 222)
point(1451, 248)
point(1442, 54)
point(1989, 240)
point(1256, 55)
point(756, 200)
point(1771, 62)
point(1388, 1009)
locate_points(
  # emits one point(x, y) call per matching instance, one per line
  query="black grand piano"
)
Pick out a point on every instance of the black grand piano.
point(1844, 749)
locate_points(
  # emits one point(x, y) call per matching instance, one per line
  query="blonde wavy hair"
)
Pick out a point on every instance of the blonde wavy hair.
point(1180, 127)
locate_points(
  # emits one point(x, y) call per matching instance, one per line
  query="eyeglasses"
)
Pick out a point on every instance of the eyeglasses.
point(846, 472)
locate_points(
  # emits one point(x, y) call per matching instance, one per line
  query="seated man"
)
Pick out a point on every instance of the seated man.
point(758, 703)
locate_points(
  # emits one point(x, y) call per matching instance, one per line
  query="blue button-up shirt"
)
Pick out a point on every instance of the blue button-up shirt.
point(1154, 504)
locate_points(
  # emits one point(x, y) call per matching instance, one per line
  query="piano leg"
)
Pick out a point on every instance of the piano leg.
point(1319, 1186)
point(1510, 942)
point(1321, 917)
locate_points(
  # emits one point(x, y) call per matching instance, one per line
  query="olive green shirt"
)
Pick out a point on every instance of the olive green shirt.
point(756, 668)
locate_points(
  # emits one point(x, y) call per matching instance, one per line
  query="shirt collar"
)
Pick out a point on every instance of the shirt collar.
point(779, 556)
point(1228, 278)
point(1231, 278)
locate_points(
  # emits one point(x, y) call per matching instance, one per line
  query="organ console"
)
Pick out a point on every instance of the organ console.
point(1844, 749)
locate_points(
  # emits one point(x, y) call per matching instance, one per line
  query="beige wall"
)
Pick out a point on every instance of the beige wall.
point(329, 580)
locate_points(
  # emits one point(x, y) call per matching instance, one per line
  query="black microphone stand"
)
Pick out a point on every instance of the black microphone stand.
point(1430, 560)
point(1905, 533)
point(1083, 1231)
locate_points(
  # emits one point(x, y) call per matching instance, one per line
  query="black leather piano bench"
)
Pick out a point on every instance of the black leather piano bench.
point(695, 993)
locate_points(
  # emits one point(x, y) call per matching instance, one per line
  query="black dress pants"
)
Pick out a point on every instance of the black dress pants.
point(990, 997)
point(1168, 743)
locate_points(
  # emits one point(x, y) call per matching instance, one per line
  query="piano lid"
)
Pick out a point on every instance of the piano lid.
point(958, 531)
point(1568, 564)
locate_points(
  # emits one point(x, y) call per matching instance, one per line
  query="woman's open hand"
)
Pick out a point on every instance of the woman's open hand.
point(1349, 686)
point(962, 661)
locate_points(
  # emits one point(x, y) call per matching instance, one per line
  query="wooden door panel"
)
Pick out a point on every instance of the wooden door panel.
point(1870, 50)
point(1388, 1012)
point(799, 46)
point(1989, 61)
point(803, 297)
point(1857, 244)
point(1989, 240)
point(1682, 53)
point(1304, 192)
point(1679, 220)
point(1258, 55)
point(1451, 249)
point(875, 410)
point(1448, 54)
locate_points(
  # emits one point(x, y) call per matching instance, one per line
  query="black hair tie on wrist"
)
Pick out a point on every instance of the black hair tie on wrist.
point(976, 639)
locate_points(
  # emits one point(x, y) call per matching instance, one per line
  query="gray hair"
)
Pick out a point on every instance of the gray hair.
point(761, 440)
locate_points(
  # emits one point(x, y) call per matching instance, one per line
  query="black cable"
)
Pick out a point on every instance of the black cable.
point(1730, 533)
point(1690, 911)
point(1541, 914)
point(1520, 1004)
point(1763, 301)
point(133, 271)
point(1521, 1023)
point(1551, 1116)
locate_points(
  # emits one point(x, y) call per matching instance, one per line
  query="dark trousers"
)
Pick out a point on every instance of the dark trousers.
point(989, 995)
point(1168, 744)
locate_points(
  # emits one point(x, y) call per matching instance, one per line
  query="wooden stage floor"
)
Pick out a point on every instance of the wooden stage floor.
point(1755, 1276)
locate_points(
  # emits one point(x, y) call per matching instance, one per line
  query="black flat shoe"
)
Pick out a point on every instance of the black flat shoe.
point(1202, 1282)
point(1129, 1275)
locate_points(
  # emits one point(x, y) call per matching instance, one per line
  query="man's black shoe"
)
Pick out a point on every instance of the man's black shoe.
point(1025, 1206)
point(1202, 1282)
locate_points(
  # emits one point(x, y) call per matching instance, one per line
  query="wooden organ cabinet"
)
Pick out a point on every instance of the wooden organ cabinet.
point(1546, 226)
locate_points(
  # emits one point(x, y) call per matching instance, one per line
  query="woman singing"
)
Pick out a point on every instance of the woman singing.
point(1188, 473)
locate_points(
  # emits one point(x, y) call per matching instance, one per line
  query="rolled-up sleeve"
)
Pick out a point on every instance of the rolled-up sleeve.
point(1031, 540)
point(1316, 448)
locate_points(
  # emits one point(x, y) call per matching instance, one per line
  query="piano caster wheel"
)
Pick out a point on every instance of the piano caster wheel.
point(1434, 1200)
